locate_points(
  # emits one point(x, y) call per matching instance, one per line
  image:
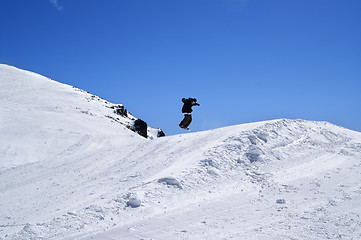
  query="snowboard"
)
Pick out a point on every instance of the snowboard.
point(184, 128)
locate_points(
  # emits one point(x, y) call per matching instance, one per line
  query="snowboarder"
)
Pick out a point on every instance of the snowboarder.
point(187, 110)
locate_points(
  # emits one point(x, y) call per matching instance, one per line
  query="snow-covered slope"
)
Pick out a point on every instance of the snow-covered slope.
point(42, 119)
point(67, 174)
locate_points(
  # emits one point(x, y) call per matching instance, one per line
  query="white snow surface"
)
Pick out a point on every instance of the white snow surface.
point(70, 170)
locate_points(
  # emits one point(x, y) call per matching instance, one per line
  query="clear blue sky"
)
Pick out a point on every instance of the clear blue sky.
point(244, 61)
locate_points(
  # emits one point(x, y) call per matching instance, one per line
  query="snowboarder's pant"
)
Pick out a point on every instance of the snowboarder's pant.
point(186, 120)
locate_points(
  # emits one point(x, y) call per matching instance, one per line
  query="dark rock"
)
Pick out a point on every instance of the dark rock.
point(120, 110)
point(160, 133)
point(141, 127)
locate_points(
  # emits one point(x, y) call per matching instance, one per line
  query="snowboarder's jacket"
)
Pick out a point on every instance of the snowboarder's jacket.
point(188, 104)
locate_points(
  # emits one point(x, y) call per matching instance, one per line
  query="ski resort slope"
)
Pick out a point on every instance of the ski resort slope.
point(69, 171)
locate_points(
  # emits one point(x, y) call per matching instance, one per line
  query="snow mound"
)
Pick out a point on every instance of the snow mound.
point(171, 181)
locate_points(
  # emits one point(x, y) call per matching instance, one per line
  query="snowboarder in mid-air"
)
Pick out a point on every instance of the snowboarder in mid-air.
point(187, 112)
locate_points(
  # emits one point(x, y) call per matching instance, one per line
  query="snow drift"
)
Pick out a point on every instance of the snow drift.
point(70, 172)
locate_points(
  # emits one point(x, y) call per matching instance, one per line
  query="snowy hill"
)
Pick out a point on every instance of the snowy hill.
point(70, 172)
point(43, 118)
